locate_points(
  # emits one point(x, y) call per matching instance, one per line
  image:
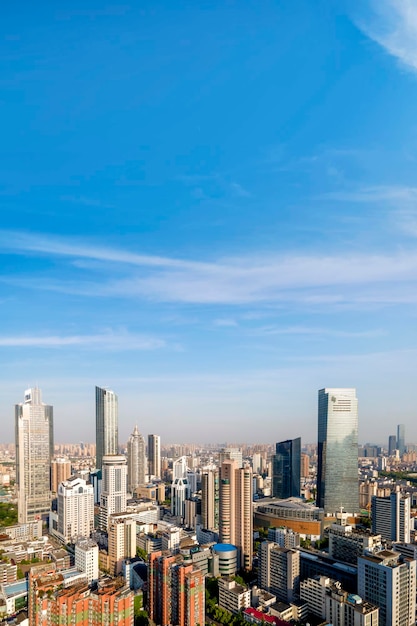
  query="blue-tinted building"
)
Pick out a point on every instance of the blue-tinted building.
point(337, 470)
point(286, 469)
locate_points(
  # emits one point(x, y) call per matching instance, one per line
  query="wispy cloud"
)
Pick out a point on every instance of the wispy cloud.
point(317, 332)
point(103, 341)
point(315, 278)
point(393, 25)
point(375, 193)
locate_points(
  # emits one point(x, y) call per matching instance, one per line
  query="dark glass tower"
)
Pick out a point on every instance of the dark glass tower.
point(286, 469)
point(337, 468)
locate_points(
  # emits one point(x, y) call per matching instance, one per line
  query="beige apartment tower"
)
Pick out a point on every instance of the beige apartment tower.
point(154, 456)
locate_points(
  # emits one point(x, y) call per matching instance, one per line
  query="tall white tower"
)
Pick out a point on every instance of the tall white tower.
point(107, 436)
point(113, 492)
point(136, 460)
point(34, 451)
point(180, 488)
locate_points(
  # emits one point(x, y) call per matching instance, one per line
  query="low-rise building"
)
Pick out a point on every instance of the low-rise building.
point(232, 596)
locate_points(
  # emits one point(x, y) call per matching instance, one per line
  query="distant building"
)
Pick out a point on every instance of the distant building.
point(401, 439)
point(136, 461)
point(337, 469)
point(388, 580)
point(107, 429)
point(154, 456)
point(284, 537)
point(75, 509)
point(34, 450)
point(180, 487)
point(392, 445)
point(286, 469)
point(60, 471)
point(210, 499)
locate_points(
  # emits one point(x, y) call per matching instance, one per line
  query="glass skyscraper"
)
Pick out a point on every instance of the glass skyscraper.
point(286, 469)
point(107, 436)
point(337, 471)
point(401, 438)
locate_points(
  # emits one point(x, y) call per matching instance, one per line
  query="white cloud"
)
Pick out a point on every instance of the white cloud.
point(393, 25)
point(104, 341)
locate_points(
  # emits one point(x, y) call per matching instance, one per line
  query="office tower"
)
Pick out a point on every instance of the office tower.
point(75, 509)
point(136, 461)
point(279, 571)
point(34, 442)
point(401, 439)
point(154, 456)
point(86, 558)
point(122, 541)
point(235, 509)
point(210, 499)
point(176, 591)
point(388, 580)
point(180, 488)
point(337, 468)
point(286, 469)
point(107, 434)
point(60, 471)
point(391, 517)
point(113, 493)
point(231, 453)
point(392, 445)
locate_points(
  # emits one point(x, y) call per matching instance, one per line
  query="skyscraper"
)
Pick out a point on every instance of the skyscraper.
point(136, 460)
point(392, 445)
point(180, 487)
point(113, 493)
point(210, 499)
point(286, 469)
point(34, 445)
point(107, 441)
point(154, 455)
point(337, 470)
point(401, 438)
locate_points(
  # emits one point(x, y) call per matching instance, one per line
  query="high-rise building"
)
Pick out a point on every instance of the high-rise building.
point(210, 499)
point(122, 541)
point(231, 453)
point(60, 471)
point(279, 571)
point(34, 449)
point(392, 445)
point(136, 460)
point(107, 434)
point(154, 456)
point(401, 439)
point(75, 509)
point(176, 591)
point(180, 487)
point(391, 516)
point(286, 469)
point(86, 558)
point(337, 469)
point(235, 509)
point(113, 493)
point(388, 580)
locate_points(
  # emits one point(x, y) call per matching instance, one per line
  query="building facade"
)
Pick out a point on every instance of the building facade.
point(34, 450)
point(210, 499)
point(391, 516)
point(113, 492)
point(107, 429)
point(279, 571)
point(337, 469)
point(75, 509)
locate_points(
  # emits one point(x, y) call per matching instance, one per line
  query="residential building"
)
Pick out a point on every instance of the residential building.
point(154, 456)
point(346, 543)
point(388, 580)
point(286, 469)
point(348, 609)
point(210, 499)
point(232, 596)
point(86, 558)
point(313, 591)
point(122, 542)
point(337, 469)
point(75, 509)
point(279, 571)
point(391, 516)
point(284, 537)
point(176, 591)
point(107, 433)
point(113, 493)
point(60, 471)
point(136, 461)
point(235, 454)
point(34, 450)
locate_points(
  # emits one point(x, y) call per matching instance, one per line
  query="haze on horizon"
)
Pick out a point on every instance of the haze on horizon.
point(210, 209)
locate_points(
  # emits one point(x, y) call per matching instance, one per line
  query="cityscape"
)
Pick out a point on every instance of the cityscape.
point(145, 532)
point(208, 310)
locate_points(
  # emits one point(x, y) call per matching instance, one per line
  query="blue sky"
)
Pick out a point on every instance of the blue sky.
point(211, 208)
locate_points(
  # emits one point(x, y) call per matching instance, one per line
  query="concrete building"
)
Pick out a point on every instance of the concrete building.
point(34, 450)
point(86, 558)
point(391, 517)
point(348, 609)
point(232, 596)
point(284, 537)
point(313, 591)
point(136, 461)
point(176, 591)
point(337, 468)
point(122, 541)
point(346, 543)
point(388, 580)
point(154, 456)
point(279, 571)
point(60, 471)
point(235, 509)
point(75, 510)
point(107, 429)
point(113, 492)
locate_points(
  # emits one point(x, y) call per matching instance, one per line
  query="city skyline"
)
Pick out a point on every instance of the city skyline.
point(212, 211)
